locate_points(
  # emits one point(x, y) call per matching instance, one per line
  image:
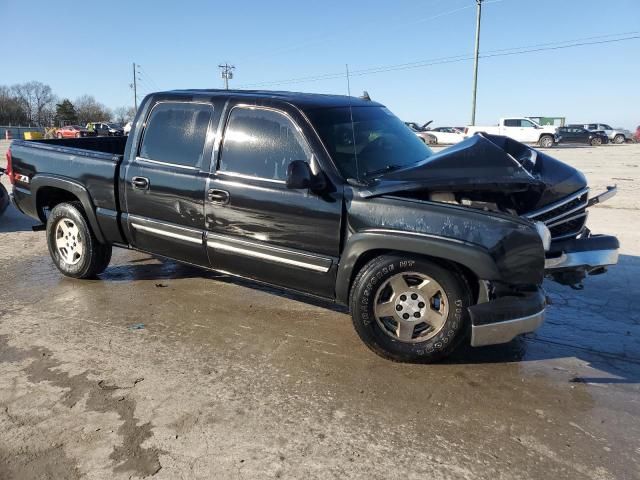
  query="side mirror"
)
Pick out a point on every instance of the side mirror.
point(299, 175)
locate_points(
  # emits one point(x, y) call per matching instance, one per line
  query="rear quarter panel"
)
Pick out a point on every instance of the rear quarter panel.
point(94, 171)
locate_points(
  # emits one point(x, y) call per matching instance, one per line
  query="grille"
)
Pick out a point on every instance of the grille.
point(564, 218)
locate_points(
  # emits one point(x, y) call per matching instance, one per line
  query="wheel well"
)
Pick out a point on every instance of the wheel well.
point(470, 277)
point(49, 197)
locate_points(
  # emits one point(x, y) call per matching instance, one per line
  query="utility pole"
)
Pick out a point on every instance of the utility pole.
point(226, 72)
point(475, 63)
point(135, 89)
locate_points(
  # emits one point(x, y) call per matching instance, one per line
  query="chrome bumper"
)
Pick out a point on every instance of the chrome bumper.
point(589, 259)
point(503, 332)
point(503, 318)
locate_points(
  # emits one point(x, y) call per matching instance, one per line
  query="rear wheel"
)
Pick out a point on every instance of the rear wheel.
point(409, 309)
point(72, 245)
point(618, 139)
point(58, 135)
point(78, 135)
point(546, 141)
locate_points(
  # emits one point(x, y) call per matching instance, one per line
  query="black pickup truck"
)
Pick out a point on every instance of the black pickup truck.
point(329, 196)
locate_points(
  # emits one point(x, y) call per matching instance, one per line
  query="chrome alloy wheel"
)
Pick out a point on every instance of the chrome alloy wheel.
point(411, 307)
point(69, 243)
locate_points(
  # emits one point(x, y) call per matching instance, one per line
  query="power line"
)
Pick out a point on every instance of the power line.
point(452, 59)
point(323, 38)
point(149, 78)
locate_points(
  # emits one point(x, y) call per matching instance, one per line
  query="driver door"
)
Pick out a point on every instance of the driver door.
point(256, 226)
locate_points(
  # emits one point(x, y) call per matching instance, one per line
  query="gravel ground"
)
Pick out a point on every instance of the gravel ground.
point(158, 369)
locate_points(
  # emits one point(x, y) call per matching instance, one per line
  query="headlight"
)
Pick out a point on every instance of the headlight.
point(545, 235)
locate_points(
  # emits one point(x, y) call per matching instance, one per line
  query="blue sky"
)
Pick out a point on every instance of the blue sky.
point(79, 49)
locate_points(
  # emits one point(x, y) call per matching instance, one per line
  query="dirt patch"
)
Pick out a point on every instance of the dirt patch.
point(101, 397)
point(50, 464)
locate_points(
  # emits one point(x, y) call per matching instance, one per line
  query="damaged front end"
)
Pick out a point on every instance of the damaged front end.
point(499, 174)
point(574, 251)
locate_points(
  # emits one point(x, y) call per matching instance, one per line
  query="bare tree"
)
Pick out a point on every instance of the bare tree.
point(37, 100)
point(11, 110)
point(89, 109)
point(123, 115)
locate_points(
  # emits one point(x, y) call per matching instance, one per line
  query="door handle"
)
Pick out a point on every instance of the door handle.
point(218, 196)
point(141, 183)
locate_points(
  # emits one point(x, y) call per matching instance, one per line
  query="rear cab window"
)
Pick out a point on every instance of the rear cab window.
point(175, 133)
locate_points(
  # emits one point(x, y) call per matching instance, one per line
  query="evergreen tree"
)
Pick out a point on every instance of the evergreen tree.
point(66, 113)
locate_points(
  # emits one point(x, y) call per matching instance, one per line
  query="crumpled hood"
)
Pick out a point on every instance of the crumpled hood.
point(485, 163)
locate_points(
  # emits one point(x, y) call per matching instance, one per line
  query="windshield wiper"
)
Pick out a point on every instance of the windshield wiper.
point(385, 169)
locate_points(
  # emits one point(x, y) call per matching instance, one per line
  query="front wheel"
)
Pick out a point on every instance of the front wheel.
point(72, 245)
point(596, 141)
point(409, 309)
point(618, 139)
point(546, 141)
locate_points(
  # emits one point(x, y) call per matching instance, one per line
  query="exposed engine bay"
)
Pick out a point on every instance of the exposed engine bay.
point(498, 174)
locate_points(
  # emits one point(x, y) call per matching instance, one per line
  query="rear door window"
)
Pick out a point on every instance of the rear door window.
point(175, 133)
point(261, 143)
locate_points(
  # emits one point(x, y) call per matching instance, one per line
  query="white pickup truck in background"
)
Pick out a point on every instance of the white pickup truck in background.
point(521, 129)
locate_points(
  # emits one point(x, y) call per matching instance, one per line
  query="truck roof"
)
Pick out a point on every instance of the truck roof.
point(304, 101)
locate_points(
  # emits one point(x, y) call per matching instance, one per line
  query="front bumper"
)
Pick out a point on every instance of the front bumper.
point(501, 320)
point(570, 261)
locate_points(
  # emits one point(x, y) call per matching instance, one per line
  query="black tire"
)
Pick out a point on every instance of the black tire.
point(596, 141)
point(618, 139)
point(546, 141)
point(369, 283)
point(4, 199)
point(94, 257)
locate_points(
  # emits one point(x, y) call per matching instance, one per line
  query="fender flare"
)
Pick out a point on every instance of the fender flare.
point(40, 181)
point(476, 258)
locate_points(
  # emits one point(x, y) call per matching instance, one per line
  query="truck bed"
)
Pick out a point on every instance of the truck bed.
point(86, 164)
point(107, 145)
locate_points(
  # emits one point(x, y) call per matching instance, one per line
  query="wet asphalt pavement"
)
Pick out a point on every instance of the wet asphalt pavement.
point(166, 370)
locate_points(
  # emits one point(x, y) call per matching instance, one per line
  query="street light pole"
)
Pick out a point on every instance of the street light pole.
point(475, 63)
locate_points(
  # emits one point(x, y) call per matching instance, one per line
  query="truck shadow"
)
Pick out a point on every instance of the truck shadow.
point(13, 221)
point(599, 325)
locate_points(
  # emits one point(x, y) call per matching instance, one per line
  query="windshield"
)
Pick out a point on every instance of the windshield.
point(379, 141)
point(113, 125)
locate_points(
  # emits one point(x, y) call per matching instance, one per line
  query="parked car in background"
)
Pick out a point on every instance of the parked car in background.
point(615, 135)
point(447, 135)
point(578, 134)
point(105, 129)
point(127, 128)
point(422, 132)
point(74, 131)
point(521, 129)
point(637, 135)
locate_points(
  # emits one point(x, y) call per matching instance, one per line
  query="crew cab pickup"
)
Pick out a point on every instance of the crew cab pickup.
point(329, 196)
point(521, 129)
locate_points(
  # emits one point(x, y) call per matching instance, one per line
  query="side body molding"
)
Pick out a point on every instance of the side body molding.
point(474, 257)
point(40, 181)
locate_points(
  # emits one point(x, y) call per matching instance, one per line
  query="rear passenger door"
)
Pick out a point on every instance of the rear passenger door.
point(257, 227)
point(165, 182)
